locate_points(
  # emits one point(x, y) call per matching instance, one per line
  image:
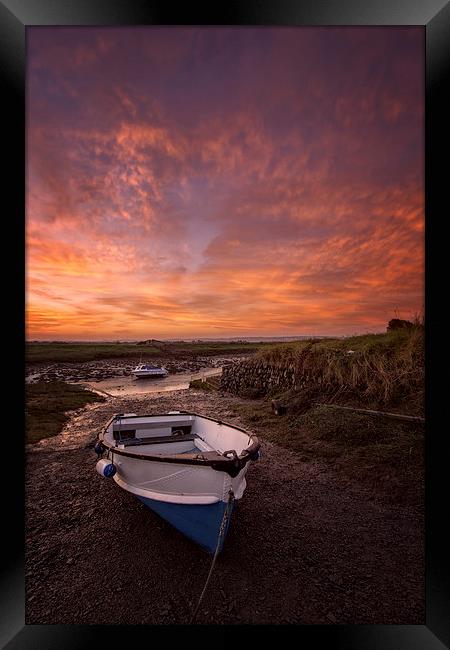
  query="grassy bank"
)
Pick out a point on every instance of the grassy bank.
point(365, 371)
point(47, 404)
point(387, 455)
point(374, 370)
point(80, 352)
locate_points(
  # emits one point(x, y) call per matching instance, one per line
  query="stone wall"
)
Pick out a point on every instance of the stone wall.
point(261, 377)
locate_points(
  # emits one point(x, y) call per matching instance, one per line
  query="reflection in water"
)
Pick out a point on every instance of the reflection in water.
point(121, 386)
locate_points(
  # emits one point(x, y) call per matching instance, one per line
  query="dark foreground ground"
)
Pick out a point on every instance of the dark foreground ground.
point(305, 545)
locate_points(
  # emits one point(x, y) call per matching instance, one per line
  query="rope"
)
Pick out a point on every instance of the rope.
point(219, 540)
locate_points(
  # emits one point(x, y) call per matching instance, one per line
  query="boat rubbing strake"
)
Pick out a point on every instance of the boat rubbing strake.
point(182, 465)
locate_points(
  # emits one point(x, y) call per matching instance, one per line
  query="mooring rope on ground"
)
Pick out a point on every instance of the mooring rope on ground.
point(395, 416)
point(219, 543)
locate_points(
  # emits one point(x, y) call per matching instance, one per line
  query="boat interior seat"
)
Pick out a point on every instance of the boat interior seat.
point(202, 445)
point(155, 440)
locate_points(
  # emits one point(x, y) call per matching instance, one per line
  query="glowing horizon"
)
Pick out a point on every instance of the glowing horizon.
point(223, 182)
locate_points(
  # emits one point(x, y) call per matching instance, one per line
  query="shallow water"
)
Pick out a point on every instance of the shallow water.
point(123, 386)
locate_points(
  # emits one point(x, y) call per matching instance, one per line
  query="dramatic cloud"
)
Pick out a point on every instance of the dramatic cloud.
point(223, 181)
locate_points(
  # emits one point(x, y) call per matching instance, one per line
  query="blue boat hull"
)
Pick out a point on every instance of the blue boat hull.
point(201, 523)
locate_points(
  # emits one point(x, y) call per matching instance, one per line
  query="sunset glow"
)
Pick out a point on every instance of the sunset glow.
point(217, 182)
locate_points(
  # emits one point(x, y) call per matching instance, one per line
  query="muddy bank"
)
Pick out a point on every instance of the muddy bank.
point(304, 546)
point(92, 371)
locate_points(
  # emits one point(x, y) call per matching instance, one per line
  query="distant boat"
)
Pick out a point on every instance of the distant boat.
point(148, 370)
point(188, 468)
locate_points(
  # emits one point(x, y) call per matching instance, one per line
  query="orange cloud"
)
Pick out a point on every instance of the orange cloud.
point(200, 192)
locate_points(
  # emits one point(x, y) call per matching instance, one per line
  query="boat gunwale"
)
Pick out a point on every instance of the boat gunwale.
point(231, 466)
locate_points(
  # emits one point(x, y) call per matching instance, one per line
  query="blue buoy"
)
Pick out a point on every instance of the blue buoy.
point(109, 470)
point(99, 447)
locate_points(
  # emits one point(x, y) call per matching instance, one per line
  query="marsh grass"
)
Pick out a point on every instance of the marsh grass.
point(47, 404)
point(81, 352)
point(201, 385)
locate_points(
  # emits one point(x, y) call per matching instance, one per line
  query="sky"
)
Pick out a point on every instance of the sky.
point(223, 182)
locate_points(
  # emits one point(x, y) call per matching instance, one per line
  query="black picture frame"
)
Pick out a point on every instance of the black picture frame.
point(434, 16)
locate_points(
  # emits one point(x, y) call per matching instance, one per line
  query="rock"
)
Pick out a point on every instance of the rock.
point(278, 408)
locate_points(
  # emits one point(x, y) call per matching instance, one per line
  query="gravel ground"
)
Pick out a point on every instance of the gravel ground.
point(304, 546)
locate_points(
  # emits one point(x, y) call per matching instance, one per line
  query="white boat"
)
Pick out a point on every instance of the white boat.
point(148, 370)
point(186, 467)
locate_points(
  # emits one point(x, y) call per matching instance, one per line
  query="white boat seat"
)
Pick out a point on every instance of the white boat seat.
point(144, 426)
point(143, 429)
point(158, 440)
point(202, 445)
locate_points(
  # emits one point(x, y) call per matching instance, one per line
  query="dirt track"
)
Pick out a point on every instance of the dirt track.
point(304, 546)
